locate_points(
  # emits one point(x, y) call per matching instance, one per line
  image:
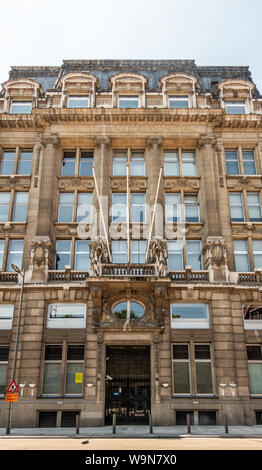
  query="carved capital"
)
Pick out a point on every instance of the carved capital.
point(102, 140)
point(49, 140)
point(205, 140)
point(152, 141)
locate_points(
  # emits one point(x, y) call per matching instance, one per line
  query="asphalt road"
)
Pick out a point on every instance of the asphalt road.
point(86, 444)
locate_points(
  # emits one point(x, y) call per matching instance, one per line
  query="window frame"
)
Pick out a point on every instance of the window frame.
point(131, 98)
point(20, 103)
point(178, 99)
point(76, 98)
point(235, 104)
point(66, 321)
point(254, 361)
point(190, 323)
point(6, 323)
point(5, 363)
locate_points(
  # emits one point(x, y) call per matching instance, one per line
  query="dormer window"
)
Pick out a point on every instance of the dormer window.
point(177, 102)
point(75, 101)
point(131, 101)
point(21, 107)
point(235, 107)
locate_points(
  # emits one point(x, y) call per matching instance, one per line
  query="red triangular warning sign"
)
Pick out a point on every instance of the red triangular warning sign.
point(12, 387)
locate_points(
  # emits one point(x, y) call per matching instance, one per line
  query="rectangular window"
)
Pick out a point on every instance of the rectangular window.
point(235, 107)
point(138, 251)
point(137, 164)
point(52, 370)
point(257, 253)
point(175, 255)
point(21, 107)
point(68, 163)
point(63, 254)
point(194, 254)
point(241, 255)
point(81, 101)
point(66, 315)
point(2, 249)
point(249, 162)
point(4, 206)
point(86, 163)
point(204, 383)
point(8, 162)
point(254, 356)
point(181, 369)
point(189, 316)
point(191, 208)
point(130, 101)
point(20, 207)
point(25, 162)
point(74, 370)
point(138, 208)
point(4, 353)
point(171, 166)
point(232, 165)
point(254, 207)
point(120, 164)
point(6, 316)
point(119, 207)
point(188, 164)
point(119, 251)
point(82, 260)
point(15, 256)
point(66, 207)
point(236, 207)
point(252, 317)
point(178, 102)
point(84, 207)
point(173, 207)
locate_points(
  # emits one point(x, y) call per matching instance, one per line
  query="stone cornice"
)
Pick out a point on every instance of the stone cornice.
point(42, 118)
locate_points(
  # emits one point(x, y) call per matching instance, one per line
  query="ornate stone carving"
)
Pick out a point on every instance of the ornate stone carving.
point(215, 252)
point(161, 296)
point(158, 255)
point(206, 140)
point(151, 141)
point(102, 140)
point(41, 258)
point(98, 257)
point(49, 140)
point(96, 294)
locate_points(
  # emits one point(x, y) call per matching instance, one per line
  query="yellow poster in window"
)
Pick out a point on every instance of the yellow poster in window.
point(79, 378)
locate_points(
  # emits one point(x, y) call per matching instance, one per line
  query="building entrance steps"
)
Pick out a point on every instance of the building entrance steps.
point(136, 432)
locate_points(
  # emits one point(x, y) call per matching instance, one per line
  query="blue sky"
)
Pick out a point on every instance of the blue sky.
point(217, 32)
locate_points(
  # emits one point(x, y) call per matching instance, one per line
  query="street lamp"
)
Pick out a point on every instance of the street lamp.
point(16, 269)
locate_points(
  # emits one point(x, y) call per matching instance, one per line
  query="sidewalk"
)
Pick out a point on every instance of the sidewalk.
point(135, 432)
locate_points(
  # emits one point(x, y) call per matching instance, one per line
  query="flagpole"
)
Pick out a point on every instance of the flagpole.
point(154, 211)
point(128, 215)
point(102, 215)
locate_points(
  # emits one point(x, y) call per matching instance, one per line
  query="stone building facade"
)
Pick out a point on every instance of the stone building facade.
point(130, 199)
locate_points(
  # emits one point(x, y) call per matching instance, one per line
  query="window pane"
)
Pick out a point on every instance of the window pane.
point(172, 207)
point(63, 254)
point(53, 352)
point(20, 207)
point(16, 248)
point(254, 207)
point(82, 261)
point(25, 162)
point(2, 247)
point(66, 310)
point(235, 108)
point(202, 351)
point(189, 311)
point(119, 165)
point(138, 251)
point(128, 102)
point(51, 384)
point(178, 102)
point(188, 164)
point(119, 251)
point(180, 351)
point(171, 164)
point(84, 207)
point(78, 102)
point(249, 162)
point(181, 377)
point(119, 207)
point(75, 352)
point(254, 353)
point(136, 310)
point(137, 165)
point(8, 162)
point(175, 256)
point(68, 164)
point(120, 310)
point(21, 107)
point(241, 255)
point(204, 377)
point(86, 163)
point(66, 207)
point(255, 378)
point(232, 162)
point(4, 206)
point(138, 208)
point(73, 382)
point(3, 376)
point(4, 353)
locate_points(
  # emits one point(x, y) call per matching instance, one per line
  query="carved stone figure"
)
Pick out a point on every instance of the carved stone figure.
point(158, 256)
point(98, 257)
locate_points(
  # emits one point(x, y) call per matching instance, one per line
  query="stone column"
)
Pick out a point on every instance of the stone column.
point(154, 161)
point(48, 185)
point(102, 166)
point(210, 181)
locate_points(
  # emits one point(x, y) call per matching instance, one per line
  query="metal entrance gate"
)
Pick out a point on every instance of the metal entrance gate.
point(128, 384)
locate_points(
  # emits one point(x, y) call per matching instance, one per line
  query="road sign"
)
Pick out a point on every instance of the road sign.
point(12, 388)
point(11, 397)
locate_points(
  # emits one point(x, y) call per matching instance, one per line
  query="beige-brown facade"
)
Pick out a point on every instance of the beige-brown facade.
point(154, 257)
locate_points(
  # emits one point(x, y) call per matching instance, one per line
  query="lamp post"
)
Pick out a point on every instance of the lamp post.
point(16, 269)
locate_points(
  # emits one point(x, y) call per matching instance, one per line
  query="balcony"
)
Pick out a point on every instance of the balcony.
point(67, 276)
point(189, 276)
point(250, 277)
point(8, 277)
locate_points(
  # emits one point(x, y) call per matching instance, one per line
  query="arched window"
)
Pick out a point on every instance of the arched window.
point(128, 310)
